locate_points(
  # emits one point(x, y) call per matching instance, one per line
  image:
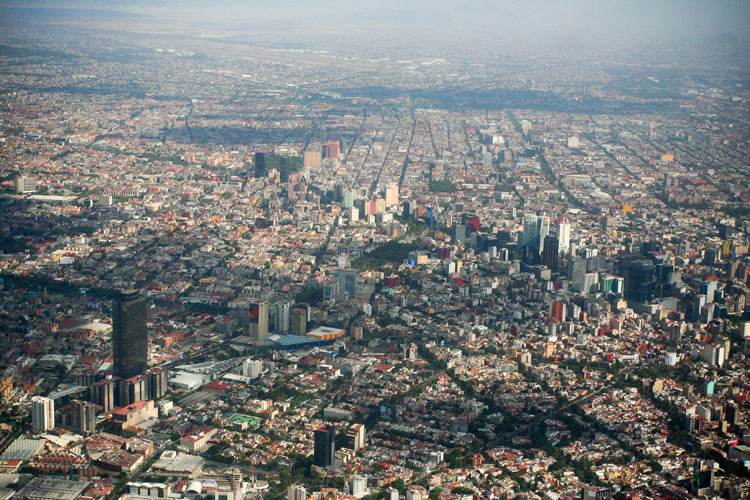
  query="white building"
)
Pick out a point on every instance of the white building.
point(358, 486)
point(25, 185)
point(42, 413)
point(297, 492)
point(563, 236)
point(252, 368)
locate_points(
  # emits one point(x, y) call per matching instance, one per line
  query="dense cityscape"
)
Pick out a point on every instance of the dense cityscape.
point(231, 271)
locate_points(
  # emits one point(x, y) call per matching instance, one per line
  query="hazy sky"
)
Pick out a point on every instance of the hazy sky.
point(608, 22)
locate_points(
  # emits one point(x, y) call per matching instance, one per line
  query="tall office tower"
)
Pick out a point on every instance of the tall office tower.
point(542, 231)
point(550, 253)
point(576, 269)
point(312, 159)
point(331, 149)
point(641, 281)
point(129, 335)
point(260, 165)
point(298, 321)
point(42, 413)
point(708, 288)
point(103, 394)
point(258, 320)
point(156, 383)
point(563, 235)
point(530, 222)
point(325, 446)
point(459, 233)
point(281, 317)
point(698, 303)
point(348, 199)
point(348, 280)
point(391, 196)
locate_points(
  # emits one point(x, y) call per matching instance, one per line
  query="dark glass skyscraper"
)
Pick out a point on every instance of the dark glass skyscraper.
point(640, 284)
point(129, 336)
point(325, 446)
point(550, 251)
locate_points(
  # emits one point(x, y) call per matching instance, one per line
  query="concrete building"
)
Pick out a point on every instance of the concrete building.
point(42, 413)
point(258, 328)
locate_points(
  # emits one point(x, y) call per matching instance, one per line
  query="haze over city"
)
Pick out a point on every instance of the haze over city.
point(346, 250)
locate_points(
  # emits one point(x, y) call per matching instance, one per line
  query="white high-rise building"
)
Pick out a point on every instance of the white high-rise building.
point(297, 492)
point(358, 486)
point(281, 317)
point(42, 413)
point(252, 368)
point(563, 236)
point(25, 185)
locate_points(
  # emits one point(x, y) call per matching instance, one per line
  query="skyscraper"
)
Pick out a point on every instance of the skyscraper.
point(281, 317)
point(641, 281)
point(325, 446)
point(258, 320)
point(542, 231)
point(298, 321)
point(529, 228)
point(42, 413)
point(331, 149)
point(550, 253)
point(563, 235)
point(129, 335)
point(260, 165)
point(391, 196)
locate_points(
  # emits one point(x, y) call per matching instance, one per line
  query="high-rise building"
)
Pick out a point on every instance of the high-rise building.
point(131, 390)
point(312, 159)
point(325, 446)
point(590, 493)
point(260, 165)
point(391, 196)
point(281, 317)
point(358, 486)
point(156, 383)
point(542, 230)
point(252, 368)
point(349, 198)
point(258, 320)
point(459, 233)
point(609, 283)
point(297, 492)
point(708, 288)
point(563, 235)
point(558, 310)
point(355, 436)
point(550, 253)
point(348, 280)
point(103, 394)
point(298, 321)
point(25, 185)
point(129, 334)
point(42, 413)
point(80, 417)
point(640, 285)
point(534, 226)
point(331, 149)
